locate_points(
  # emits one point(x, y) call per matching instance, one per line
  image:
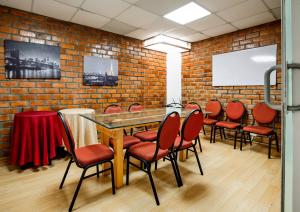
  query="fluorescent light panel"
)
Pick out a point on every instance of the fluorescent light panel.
point(187, 13)
point(166, 44)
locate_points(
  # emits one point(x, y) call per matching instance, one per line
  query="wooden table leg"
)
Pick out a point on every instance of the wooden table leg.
point(118, 160)
point(105, 140)
point(182, 155)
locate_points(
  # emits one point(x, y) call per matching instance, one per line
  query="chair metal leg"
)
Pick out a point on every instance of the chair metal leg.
point(155, 166)
point(215, 129)
point(211, 133)
point(77, 190)
point(65, 174)
point(127, 168)
point(249, 136)
point(235, 136)
point(243, 137)
point(199, 143)
point(152, 183)
point(97, 168)
point(224, 135)
point(221, 135)
point(270, 143)
point(277, 142)
point(204, 130)
point(198, 161)
point(175, 169)
point(112, 178)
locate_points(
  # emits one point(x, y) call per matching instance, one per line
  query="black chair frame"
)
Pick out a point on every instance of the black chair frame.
point(85, 168)
point(146, 167)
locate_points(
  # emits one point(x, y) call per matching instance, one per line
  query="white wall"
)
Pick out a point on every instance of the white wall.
point(173, 77)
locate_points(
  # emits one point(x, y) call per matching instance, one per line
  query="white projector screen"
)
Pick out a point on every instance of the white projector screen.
point(246, 67)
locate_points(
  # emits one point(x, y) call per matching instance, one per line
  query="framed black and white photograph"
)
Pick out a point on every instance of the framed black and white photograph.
point(31, 61)
point(100, 71)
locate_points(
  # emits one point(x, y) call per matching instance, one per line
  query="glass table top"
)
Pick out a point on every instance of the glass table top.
point(127, 119)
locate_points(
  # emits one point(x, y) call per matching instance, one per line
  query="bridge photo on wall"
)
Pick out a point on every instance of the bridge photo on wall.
point(100, 71)
point(31, 61)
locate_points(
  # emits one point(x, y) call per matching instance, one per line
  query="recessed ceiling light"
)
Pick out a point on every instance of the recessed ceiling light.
point(187, 13)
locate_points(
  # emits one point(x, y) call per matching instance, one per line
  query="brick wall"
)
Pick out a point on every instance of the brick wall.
point(197, 67)
point(142, 73)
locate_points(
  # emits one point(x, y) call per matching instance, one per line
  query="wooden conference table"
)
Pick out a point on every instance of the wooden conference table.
point(112, 126)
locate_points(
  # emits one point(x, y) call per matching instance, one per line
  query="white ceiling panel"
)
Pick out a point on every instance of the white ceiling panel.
point(244, 10)
point(108, 8)
point(74, 3)
point(218, 5)
point(161, 7)
point(118, 27)
point(180, 32)
point(219, 30)
point(277, 12)
point(21, 5)
point(136, 17)
point(254, 20)
point(89, 19)
point(272, 4)
point(142, 34)
point(206, 22)
point(54, 9)
point(161, 25)
point(195, 37)
point(132, 1)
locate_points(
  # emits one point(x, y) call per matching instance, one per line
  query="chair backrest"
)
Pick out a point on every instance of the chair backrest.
point(66, 134)
point(113, 109)
point(135, 107)
point(263, 114)
point(168, 131)
point(235, 110)
point(215, 107)
point(192, 125)
point(192, 106)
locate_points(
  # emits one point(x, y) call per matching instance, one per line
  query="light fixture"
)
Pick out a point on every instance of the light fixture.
point(187, 13)
point(167, 44)
point(263, 58)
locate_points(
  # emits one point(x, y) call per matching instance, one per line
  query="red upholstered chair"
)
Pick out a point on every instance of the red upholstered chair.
point(215, 107)
point(145, 135)
point(149, 152)
point(128, 140)
point(235, 113)
point(190, 130)
point(264, 116)
point(85, 158)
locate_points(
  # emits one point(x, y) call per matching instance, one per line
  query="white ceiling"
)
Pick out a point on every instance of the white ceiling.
point(142, 19)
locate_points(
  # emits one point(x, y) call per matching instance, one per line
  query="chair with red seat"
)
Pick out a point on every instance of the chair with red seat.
point(235, 113)
point(85, 158)
point(128, 140)
point(190, 130)
point(264, 116)
point(195, 106)
point(144, 135)
point(149, 152)
point(215, 109)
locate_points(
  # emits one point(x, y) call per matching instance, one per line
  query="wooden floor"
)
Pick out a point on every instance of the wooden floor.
point(232, 181)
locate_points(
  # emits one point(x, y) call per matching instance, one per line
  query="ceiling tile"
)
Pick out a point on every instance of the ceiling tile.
point(108, 8)
point(195, 37)
point(21, 5)
point(277, 12)
point(244, 10)
point(161, 7)
point(54, 9)
point(132, 1)
point(217, 5)
point(118, 27)
point(180, 32)
point(142, 34)
point(136, 17)
point(161, 25)
point(273, 3)
point(74, 3)
point(219, 30)
point(254, 20)
point(89, 19)
point(206, 22)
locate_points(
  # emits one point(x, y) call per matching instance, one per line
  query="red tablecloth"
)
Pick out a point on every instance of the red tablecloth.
point(35, 138)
